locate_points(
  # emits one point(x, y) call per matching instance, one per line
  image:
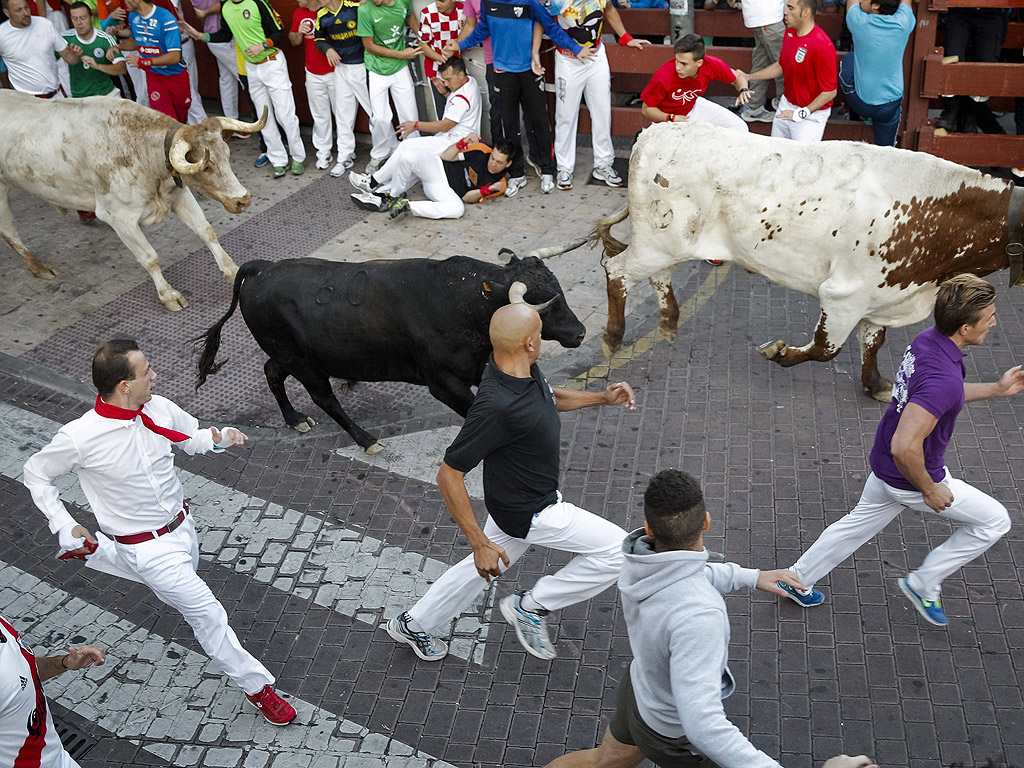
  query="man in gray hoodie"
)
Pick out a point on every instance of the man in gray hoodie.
point(669, 708)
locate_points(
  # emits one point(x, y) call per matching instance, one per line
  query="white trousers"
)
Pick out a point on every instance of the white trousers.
point(596, 542)
point(423, 164)
point(400, 86)
point(167, 565)
point(575, 80)
point(706, 111)
point(350, 93)
point(416, 144)
point(227, 69)
point(320, 94)
point(270, 86)
point(809, 130)
point(196, 111)
point(140, 85)
point(984, 521)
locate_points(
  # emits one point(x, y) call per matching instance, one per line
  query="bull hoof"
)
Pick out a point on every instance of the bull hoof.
point(304, 425)
point(882, 395)
point(175, 301)
point(610, 344)
point(230, 274)
point(668, 332)
point(43, 271)
point(773, 350)
point(373, 450)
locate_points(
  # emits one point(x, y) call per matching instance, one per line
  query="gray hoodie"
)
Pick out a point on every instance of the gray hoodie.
point(679, 635)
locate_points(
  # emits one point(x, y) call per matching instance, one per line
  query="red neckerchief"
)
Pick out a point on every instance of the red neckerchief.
point(108, 411)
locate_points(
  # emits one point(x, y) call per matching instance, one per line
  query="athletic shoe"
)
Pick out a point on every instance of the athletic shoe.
point(361, 181)
point(323, 163)
point(775, 104)
point(714, 262)
point(608, 175)
point(423, 644)
point(531, 626)
point(374, 165)
point(241, 135)
point(369, 201)
point(534, 165)
point(398, 206)
point(547, 183)
point(802, 597)
point(86, 217)
point(761, 115)
point(338, 169)
point(1018, 172)
point(271, 706)
point(565, 180)
point(261, 161)
point(279, 171)
point(514, 185)
point(298, 168)
point(930, 609)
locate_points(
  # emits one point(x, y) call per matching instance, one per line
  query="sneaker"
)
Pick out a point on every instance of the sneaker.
point(531, 626)
point(424, 645)
point(608, 175)
point(535, 166)
point(369, 201)
point(241, 135)
point(714, 262)
point(775, 104)
point(374, 165)
point(271, 706)
point(261, 161)
point(361, 181)
point(760, 115)
point(279, 171)
point(514, 185)
point(323, 163)
point(1018, 172)
point(565, 180)
point(803, 598)
point(547, 183)
point(930, 609)
point(298, 168)
point(86, 216)
point(398, 206)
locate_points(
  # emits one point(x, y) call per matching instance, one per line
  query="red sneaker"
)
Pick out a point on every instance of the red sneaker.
point(271, 706)
point(714, 262)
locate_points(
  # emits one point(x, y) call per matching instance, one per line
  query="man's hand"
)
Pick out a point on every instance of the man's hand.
point(451, 47)
point(75, 49)
point(111, 53)
point(119, 13)
point(619, 393)
point(86, 656)
point(472, 138)
point(486, 558)
point(202, 14)
point(410, 53)
point(938, 497)
point(69, 541)
point(1011, 382)
point(406, 128)
point(636, 42)
point(535, 66)
point(587, 53)
point(766, 581)
point(333, 58)
point(89, 61)
point(254, 50)
point(191, 31)
point(237, 437)
point(843, 761)
point(306, 27)
point(786, 114)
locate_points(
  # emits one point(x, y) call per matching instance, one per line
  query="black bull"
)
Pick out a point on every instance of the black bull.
point(417, 320)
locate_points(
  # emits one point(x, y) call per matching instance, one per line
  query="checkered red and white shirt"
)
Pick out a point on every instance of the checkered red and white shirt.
point(438, 28)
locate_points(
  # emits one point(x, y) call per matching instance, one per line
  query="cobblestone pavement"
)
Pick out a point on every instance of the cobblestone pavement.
point(311, 545)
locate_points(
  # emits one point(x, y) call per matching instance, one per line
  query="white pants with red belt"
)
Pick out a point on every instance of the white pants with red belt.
point(983, 522)
point(167, 565)
point(401, 89)
point(596, 542)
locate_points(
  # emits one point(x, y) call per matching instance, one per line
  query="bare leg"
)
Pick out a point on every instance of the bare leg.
point(188, 211)
point(872, 337)
point(131, 235)
point(611, 754)
point(10, 235)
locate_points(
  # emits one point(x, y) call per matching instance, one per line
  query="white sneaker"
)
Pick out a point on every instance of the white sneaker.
point(338, 169)
point(547, 183)
point(565, 180)
point(323, 163)
point(514, 185)
point(374, 165)
point(360, 181)
point(531, 626)
point(608, 175)
point(1018, 172)
point(369, 201)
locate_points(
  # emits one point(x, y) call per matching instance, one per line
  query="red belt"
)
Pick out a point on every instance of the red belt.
point(49, 95)
point(138, 538)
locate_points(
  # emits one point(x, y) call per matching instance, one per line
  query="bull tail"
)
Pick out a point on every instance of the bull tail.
point(603, 231)
point(209, 342)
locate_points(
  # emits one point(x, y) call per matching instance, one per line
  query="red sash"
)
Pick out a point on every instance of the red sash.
point(108, 411)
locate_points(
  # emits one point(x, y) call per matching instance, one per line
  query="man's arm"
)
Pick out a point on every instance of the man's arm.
point(655, 115)
point(486, 554)
point(201, 440)
point(72, 54)
point(556, 33)
point(1009, 384)
point(431, 126)
point(614, 394)
point(388, 53)
point(272, 30)
point(768, 73)
point(611, 15)
point(76, 658)
point(907, 447)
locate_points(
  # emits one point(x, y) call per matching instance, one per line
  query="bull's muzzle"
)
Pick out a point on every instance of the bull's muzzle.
point(236, 204)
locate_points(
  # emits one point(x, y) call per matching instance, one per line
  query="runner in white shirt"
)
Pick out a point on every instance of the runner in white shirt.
point(27, 736)
point(27, 45)
point(121, 452)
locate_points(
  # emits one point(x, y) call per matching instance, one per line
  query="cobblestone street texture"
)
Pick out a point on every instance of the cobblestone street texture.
point(311, 545)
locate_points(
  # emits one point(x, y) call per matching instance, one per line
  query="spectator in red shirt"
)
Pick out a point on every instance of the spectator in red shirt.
point(808, 63)
point(319, 81)
point(440, 22)
point(674, 93)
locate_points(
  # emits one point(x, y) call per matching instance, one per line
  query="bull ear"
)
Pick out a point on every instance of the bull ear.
point(512, 258)
point(497, 290)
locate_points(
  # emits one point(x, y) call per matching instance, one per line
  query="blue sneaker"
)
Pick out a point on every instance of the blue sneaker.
point(930, 609)
point(803, 599)
point(261, 161)
point(531, 626)
point(423, 644)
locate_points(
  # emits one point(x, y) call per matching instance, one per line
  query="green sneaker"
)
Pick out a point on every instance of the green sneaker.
point(298, 168)
point(279, 171)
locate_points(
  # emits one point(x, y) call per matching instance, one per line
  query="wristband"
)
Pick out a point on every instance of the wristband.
point(462, 145)
point(672, 118)
point(625, 39)
point(416, 126)
point(64, 660)
point(145, 63)
point(485, 190)
point(801, 114)
point(206, 37)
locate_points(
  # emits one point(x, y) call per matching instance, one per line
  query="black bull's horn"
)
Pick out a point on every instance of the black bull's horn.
point(555, 250)
point(517, 291)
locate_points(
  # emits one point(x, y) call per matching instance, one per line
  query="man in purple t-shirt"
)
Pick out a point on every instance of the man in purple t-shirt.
point(908, 459)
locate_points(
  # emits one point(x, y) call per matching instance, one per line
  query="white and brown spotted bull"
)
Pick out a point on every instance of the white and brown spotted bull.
point(870, 231)
point(129, 164)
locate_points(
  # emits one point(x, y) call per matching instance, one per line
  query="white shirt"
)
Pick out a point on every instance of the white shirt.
point(761, 13)
point(126, 470)
point(463, 106)
point(19, 700)
point(29, 52)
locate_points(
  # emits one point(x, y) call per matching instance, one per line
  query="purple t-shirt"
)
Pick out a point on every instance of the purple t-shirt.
point(932, 376)
point(472, 10)
point(212, 22)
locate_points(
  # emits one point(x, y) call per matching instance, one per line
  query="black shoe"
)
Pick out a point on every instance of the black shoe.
point(398, 206)
point(950, 118)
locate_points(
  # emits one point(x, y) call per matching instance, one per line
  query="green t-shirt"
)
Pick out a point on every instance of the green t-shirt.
point(386, 25)
point(86, 81)
point(251, 22)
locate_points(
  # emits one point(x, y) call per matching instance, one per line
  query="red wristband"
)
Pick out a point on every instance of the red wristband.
point(145, 63)
point(626, 39)
point(485, 190)
point(416, 125)
point(462, 145)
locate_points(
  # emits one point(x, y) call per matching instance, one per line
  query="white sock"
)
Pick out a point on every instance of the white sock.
point(414, 625)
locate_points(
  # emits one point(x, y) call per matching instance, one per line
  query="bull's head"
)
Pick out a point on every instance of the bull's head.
point(199, 154)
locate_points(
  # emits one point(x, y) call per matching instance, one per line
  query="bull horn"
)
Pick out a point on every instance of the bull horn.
point(177, 158)
point(518, 290)
point(555, 250)
point(227, 124)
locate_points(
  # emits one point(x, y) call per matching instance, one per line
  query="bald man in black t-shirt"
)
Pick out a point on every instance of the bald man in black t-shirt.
point(513, 427)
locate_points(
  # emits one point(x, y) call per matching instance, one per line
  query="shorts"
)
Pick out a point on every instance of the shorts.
point(170, 94)
point(627, 727)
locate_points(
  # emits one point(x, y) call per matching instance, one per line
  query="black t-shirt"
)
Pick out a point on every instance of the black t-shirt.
point(514, 428)
point(471, 172)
